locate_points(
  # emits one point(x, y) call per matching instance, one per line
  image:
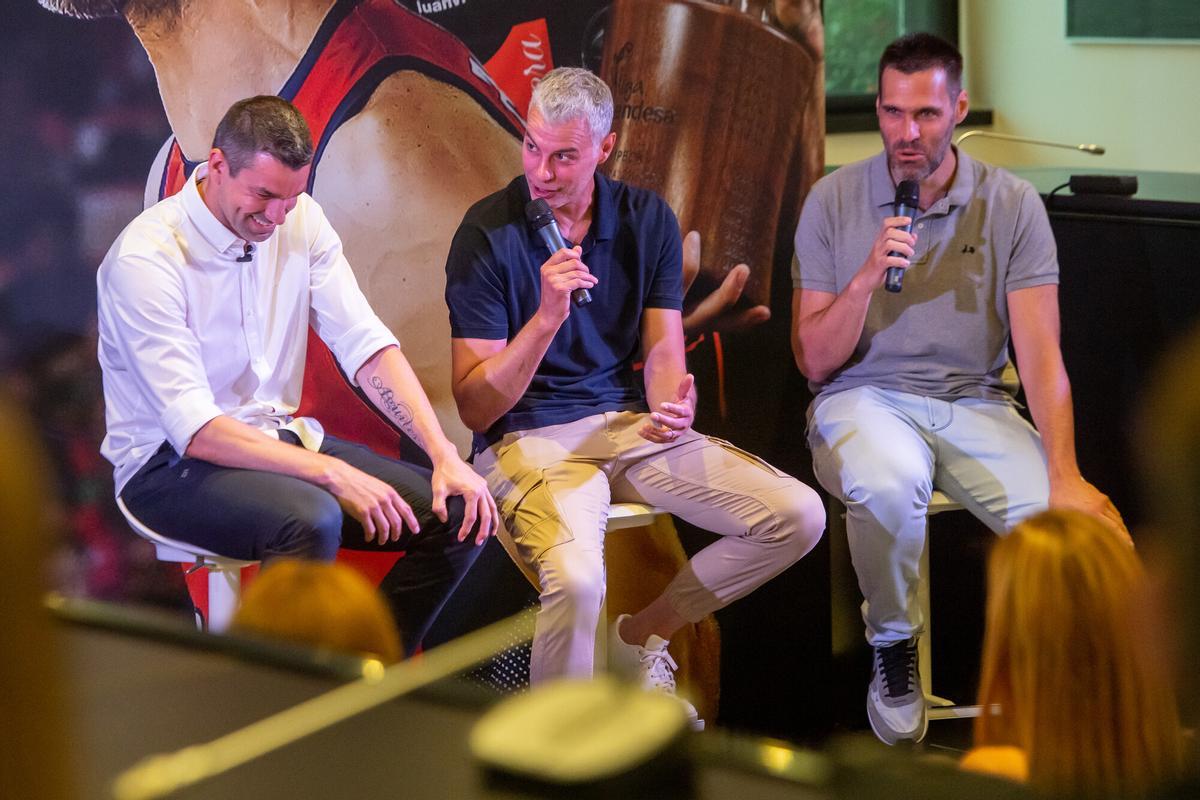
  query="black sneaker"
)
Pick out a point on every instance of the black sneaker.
point(895, 702)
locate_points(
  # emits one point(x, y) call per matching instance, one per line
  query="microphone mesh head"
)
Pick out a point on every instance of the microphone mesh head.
point(908, 193)
point(538, 213)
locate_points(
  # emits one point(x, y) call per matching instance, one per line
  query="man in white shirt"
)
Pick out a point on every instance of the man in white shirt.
point(205, 303)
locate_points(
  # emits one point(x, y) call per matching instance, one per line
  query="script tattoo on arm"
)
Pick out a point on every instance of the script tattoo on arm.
point(400, 413)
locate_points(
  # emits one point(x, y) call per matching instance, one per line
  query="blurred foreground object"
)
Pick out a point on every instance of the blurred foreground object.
point(600, 738)
point(33, 761)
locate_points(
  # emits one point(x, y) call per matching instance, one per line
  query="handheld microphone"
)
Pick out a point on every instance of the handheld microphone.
point(539, 215)
point(908, 194)
point(247, 254)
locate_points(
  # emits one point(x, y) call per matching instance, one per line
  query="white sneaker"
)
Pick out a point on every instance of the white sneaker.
point(895, 703)
point(649, 665)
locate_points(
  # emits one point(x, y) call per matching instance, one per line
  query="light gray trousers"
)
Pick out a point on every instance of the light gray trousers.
point(882, 452)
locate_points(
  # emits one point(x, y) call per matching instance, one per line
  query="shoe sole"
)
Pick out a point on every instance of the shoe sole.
point(915, 737)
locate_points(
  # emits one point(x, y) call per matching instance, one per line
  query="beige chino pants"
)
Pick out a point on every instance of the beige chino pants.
point(554, 486)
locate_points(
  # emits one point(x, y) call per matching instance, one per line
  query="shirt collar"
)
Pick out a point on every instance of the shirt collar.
point(212, 230)
point(962, 186)
point(604, 219)
point(883, 191)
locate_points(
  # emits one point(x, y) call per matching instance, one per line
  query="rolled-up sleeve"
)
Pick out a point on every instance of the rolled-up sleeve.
point(146, 308)
point(340, 313)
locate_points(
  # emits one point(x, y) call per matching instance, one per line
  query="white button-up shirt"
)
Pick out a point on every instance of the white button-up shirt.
point(188, 333)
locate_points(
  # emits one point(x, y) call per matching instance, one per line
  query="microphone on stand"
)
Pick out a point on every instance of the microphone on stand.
point(1080, 184)
point(908, 194)
point(539, 215)
point(1093, 149)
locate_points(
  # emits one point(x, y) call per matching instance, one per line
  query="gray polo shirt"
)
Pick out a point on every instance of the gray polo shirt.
point(946, 334)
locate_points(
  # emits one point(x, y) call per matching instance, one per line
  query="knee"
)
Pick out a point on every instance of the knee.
point(572, 582)
point(456, 509)
point(894, 492)
point(799, 519)
point(312, 528)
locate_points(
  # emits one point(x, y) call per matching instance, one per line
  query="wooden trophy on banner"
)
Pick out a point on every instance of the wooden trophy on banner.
point(722, 114)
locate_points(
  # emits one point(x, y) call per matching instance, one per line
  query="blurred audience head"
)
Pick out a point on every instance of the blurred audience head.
point(323, 605)
point(1070, 656)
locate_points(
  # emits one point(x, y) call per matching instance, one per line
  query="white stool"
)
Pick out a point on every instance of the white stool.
point(844, 637)
point(224, 574)
point(630, 515)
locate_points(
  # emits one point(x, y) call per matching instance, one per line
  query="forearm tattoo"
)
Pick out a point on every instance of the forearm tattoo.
point(400, 413)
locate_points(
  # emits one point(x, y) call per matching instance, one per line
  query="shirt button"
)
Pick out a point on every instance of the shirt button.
point(920, 225)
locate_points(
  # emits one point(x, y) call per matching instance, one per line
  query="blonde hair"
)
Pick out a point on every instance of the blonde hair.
point(1069, 662)
point(319, 604)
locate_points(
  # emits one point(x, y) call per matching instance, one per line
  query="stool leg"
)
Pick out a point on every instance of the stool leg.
point(939, 707)
point(601, 657)
point(224, 592)
point(925, 642)
point(845, 606)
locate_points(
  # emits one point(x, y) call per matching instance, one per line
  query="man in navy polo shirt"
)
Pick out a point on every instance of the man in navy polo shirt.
point(565, 425)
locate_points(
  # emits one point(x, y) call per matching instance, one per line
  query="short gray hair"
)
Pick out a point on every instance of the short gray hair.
point(569, 93)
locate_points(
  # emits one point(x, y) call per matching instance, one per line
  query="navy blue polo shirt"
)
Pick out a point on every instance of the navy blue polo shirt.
point(493, 288)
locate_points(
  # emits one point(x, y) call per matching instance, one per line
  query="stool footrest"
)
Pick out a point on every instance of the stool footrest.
point(955, 712)
point(933, 701)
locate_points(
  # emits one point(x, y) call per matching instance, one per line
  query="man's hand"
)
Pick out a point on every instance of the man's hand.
point(562, 274)
point(672, 417)
point(375, 504)
point(714, 313)
point(1076, 493)
point(452, 476)
point(892, 238)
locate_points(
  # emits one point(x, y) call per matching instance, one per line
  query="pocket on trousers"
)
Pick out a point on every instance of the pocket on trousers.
point(733, 449)
point(534, 523)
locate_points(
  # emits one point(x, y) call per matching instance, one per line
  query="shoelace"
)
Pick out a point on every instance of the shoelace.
point(659, 669)
point(896, 663)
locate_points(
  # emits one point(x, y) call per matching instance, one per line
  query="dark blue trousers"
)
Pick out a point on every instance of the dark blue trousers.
point(256, 515)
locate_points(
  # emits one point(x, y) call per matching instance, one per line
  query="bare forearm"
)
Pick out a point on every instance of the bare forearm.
point(826, 327)
point(495, 384)
point(1034, 318)
point(228, 443)
point(662, 372)
point(390, 383)
point(823, 340)
point(1048, 392)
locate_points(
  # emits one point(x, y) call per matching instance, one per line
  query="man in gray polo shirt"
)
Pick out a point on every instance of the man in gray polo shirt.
point(911, 388)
